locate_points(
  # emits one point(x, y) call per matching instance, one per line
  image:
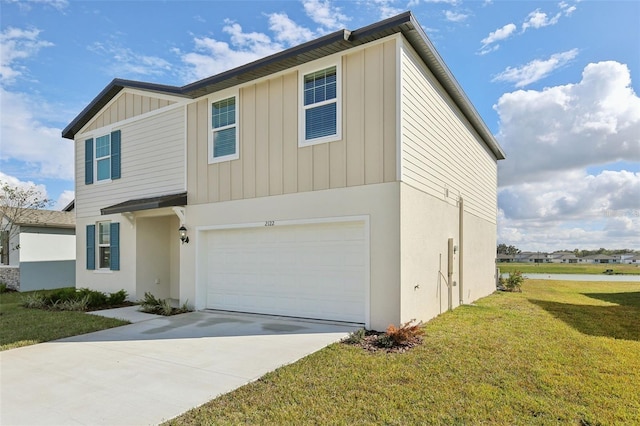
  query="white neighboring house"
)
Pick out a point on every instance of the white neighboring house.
point(41, 251)
point(347, 179)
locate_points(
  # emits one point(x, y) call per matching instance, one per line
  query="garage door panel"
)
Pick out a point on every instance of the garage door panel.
point(315, 271)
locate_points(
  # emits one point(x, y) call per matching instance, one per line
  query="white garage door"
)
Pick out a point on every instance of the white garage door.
point(309, 271)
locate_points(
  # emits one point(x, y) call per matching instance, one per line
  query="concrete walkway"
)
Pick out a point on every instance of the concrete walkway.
point(150, 371)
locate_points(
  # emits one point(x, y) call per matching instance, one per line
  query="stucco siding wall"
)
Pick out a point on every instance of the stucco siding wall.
point(106, 280)
point(377, 202)
point(153, 161)
point(46, 247)
point(441, 153)
point(271, 163)
point(426, 225)
point(157, 240)
point(126, 105)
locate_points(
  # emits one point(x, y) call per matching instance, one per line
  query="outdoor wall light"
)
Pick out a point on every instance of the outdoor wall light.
point(183, 234)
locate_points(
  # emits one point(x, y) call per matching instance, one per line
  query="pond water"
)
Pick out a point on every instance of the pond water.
point(581, 277)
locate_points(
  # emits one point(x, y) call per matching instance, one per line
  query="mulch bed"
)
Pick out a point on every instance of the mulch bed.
point(371, 343)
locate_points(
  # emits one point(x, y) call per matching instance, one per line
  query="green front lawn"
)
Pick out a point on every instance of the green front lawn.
point(568, 268)
point(21, 326)
point(560, 352)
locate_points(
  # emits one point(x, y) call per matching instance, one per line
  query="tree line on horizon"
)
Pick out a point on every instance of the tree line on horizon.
point(513, 250)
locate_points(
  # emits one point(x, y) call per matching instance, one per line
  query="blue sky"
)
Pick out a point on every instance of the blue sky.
point(555, 81)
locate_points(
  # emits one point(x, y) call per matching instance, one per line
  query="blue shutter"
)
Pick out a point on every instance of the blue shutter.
point(114, 231)
point(115, 154)
point(91, 247)
point(88, 161)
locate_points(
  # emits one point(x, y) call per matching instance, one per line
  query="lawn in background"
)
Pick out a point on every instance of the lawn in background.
point(569, 268)
point(22, 327)
point(560, 352)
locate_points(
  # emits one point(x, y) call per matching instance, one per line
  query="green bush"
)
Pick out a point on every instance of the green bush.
point(34, 301)
point(117, 298)
point(513, 282)
point(61, 295)
point(96, 299)
point(70, 299)
point(151, 305)
point(356, 337)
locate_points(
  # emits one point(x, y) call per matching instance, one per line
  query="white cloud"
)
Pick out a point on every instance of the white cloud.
point(213, 56)
point(547, 199)
point(17, 183)
point(455, 16)
point(596, 121)
point(536, 69)
point(325, 14)
point(499, 34)
point(124, 62)
point(574, 210)
point(287, 31)
point(566, 8)
point(64, 199)
point(537, 19)
point(16, 45)
point(26, 5)
point(385, 8)
point(38, 147)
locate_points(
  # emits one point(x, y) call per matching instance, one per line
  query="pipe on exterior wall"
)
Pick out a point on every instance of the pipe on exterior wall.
point(461, 251)
point(450, 271)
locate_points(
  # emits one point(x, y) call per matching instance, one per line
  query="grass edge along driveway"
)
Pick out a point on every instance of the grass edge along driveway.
point(22, 327)
point(560, 352)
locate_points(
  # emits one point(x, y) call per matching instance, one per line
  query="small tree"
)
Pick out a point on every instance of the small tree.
point(17, 205)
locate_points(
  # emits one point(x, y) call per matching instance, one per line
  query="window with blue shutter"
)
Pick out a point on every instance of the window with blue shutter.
point(115, 246)
point(102, 158)
point(91, 247)
point(320, 119)
point(88, 161)
point(224, 131)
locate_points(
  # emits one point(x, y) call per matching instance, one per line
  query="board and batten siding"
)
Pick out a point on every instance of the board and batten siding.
point(271, 163)
point(152, 155)
point(126, 105)
point(441, 152)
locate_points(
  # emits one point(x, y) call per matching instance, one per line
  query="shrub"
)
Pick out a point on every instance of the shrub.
point(4, 288)
point(34, 301)
point(117, 298)
point(151, 305)
point(96, 299)
point(61, 295)
point(513, 282)
point(356, 337)
point(403, 335)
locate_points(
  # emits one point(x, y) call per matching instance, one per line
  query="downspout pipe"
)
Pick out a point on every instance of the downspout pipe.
point(461, 251)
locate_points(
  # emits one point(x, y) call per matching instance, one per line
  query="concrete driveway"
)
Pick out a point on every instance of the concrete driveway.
point(150, 371)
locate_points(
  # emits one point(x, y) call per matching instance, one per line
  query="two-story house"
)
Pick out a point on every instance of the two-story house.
point(348, 178)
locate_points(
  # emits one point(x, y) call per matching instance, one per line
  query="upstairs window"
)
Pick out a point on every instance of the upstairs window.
point(223, 144)
point(320, 116)
point(102, 158)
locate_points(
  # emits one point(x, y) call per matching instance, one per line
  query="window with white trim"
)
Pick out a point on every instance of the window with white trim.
point(104, 245)
point(320, 118)
point(103, 157)
point(223, 143)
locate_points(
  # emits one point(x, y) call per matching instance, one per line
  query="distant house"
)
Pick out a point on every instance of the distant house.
point(633, 260)
point(347, 179)
point(505, 258)
point(600, 258)
point(40, 253)
point(563, 257)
